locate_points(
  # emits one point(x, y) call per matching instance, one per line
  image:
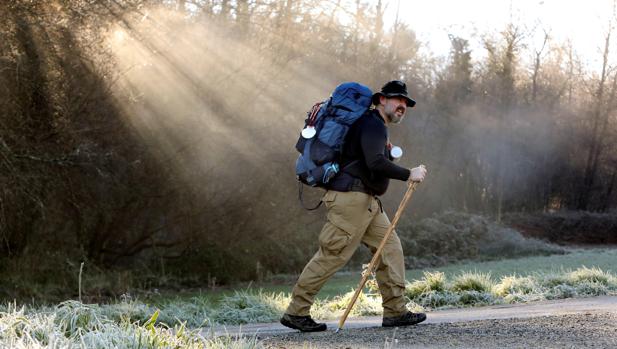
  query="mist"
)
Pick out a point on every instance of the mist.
point(162, 132)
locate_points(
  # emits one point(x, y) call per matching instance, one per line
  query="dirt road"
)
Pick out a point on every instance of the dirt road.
point(569, 323)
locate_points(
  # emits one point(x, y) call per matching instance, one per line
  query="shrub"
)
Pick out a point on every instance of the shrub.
point(450, 235)
point(577, 227)
point(454, 236)
point(504, 242)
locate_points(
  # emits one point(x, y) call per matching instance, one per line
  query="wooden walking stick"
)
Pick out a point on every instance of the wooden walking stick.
point(410, 189)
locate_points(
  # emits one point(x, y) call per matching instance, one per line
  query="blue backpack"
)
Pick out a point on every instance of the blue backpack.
point(325, 128)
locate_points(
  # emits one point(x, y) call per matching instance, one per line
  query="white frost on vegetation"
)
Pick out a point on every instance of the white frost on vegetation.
point(179, 323)
point(475, 288)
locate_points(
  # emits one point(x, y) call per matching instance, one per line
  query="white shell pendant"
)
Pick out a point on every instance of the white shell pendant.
point(396, 152)
point(309, 132)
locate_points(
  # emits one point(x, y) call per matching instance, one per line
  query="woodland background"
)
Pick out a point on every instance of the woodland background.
point(154, 140)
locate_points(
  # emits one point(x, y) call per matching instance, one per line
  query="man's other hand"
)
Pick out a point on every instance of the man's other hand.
point(418, 174)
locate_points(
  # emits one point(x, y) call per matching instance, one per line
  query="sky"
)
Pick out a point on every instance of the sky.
point(583, 22)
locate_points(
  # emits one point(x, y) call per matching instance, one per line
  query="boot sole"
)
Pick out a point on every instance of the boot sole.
point(292, 326)
point(401, 325)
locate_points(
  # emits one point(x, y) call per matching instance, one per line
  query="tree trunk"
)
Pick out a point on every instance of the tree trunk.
point(593, 153)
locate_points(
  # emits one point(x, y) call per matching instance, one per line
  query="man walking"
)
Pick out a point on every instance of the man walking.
point(355, 215)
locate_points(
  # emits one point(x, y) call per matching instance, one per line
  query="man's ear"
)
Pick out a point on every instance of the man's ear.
point(382, 100)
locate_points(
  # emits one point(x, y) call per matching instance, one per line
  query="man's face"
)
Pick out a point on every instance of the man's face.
point(394, 108)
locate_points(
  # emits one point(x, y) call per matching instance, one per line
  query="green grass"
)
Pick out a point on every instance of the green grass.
point(605, 259)
point(343, 282)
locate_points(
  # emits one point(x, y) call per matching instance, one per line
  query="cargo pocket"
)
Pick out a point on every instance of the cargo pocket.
point(333, 239)
point(348, 210)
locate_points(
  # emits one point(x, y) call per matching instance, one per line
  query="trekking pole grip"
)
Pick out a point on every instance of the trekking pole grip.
point(411, 187)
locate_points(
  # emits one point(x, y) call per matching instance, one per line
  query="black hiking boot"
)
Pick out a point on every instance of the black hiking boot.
point(302, 323)
point(406, 319)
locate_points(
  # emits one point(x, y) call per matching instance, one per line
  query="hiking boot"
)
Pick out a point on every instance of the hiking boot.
point(406, 319)
point(302, 323)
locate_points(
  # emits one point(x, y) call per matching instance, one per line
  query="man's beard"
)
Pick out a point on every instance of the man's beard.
point(395, 118)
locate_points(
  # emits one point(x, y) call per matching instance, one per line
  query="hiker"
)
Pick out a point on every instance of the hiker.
point(355, 214)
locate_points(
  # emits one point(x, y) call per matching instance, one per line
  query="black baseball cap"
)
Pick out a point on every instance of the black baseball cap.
point(394, 88)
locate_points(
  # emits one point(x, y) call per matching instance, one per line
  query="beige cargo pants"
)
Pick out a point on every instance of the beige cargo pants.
point(353, 218)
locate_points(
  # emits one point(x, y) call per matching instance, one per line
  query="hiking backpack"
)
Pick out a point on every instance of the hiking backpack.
point(321, 141)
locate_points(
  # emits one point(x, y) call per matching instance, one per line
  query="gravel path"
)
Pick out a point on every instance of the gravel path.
point(566, 323)
point(586, 330)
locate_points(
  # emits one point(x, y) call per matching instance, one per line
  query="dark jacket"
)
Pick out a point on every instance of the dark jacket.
point(366, 158)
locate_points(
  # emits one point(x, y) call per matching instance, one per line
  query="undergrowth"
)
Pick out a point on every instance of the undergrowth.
point(451, 237)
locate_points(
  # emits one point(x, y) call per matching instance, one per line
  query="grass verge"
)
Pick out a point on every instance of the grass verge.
point(131, 323)
point(74, 324)
point(477, 288)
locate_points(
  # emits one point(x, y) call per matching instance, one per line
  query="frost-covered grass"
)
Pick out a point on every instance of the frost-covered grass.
point(251, 307)
point(178, 322)
point(458, 285)
point(366, 305)
point(477, 288)
point(431, 282)
point(472, 281)
point(72, 324)
point(132, 324)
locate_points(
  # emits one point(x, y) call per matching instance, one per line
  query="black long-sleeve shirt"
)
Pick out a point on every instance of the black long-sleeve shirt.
point(366, 157)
